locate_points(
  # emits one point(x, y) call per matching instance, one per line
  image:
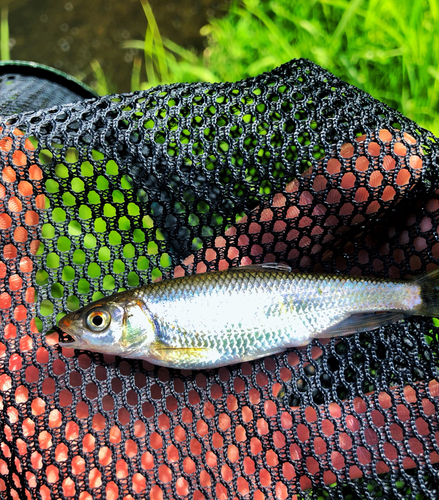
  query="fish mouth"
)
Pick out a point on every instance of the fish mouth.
point(68, 341)
point(67, 338)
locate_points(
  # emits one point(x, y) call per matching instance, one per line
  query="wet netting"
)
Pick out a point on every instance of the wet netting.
point(292, 166)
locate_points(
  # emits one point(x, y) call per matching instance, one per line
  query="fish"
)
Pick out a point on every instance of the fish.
point(220, 318)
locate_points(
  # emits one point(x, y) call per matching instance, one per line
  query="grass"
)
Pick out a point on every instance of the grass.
point(4, 34)
point(388, 49)
point(164, 60)
point(102, 86)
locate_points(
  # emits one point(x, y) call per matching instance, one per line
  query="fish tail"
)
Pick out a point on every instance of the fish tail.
point(429, 284)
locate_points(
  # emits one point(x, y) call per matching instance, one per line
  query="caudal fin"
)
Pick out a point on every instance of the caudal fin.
point(429, 283)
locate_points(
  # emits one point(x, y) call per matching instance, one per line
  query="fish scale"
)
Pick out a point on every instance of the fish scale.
point(223, 317)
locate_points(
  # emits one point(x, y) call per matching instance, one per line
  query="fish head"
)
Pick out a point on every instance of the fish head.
point(117, 325)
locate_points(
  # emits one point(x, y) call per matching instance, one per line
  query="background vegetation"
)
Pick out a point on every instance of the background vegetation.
point(390, 49)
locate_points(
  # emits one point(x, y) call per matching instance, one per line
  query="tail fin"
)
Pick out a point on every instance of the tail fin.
point(429, 284)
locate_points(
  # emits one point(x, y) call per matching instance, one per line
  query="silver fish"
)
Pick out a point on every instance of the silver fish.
point(223, 317)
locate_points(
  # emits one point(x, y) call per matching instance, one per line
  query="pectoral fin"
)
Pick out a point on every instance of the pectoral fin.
point(362, 322)
point(181, 357)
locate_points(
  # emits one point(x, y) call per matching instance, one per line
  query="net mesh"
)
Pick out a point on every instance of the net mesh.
point(292, 166)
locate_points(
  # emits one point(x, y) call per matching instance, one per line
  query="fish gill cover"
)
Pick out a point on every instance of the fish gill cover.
point(292, 166)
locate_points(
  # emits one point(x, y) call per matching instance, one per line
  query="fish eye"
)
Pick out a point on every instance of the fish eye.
point(98, 320)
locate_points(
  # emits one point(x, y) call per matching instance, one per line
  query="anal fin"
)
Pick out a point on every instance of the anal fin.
point(362, 322)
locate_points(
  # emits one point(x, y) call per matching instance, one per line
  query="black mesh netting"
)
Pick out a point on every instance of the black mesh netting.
point(292, 166)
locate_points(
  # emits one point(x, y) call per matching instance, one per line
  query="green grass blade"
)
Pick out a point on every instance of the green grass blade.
point(101, 81)
point(148, 51)
point(279, 38)
point(187, 55)
point(154, 37)
point(135, 74)
point(133, 44)
point(343, 24)
point(4, 37)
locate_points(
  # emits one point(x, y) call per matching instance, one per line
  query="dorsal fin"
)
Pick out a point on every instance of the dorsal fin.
point(266, 266)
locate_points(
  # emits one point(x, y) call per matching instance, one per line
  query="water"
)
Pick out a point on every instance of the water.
point(69, 34)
